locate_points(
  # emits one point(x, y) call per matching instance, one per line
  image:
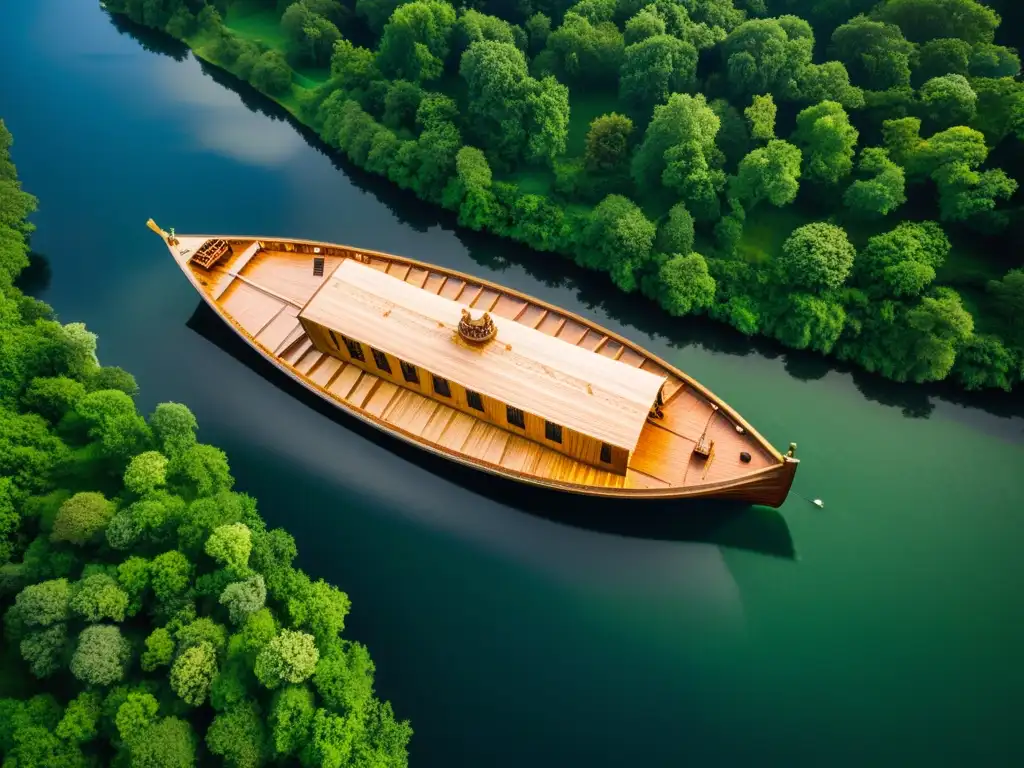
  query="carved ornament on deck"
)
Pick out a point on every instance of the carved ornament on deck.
point(477, 331)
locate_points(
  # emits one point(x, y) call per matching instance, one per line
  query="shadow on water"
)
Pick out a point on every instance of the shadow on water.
point(592, 289)
point(35, 278)
point(756, 529)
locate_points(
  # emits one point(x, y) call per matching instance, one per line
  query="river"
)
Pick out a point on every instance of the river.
point(885, 628)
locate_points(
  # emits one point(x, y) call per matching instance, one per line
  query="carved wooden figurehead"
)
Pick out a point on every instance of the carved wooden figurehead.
point(477, 331)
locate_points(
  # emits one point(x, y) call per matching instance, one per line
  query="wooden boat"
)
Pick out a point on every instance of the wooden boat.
point(523, 390)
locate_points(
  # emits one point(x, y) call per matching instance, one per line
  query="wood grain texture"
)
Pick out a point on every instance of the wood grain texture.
point(277, 277)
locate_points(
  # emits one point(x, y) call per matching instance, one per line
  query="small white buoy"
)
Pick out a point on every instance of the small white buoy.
point(818, 503)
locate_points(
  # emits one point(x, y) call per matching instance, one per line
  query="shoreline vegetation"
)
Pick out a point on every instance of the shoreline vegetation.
point(150, 618)
point(836, 176)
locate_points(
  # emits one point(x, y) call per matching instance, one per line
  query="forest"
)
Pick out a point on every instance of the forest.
point(150, 618)
point(839, 175)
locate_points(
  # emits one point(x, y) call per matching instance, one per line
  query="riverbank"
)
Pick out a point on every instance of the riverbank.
point(935, 339)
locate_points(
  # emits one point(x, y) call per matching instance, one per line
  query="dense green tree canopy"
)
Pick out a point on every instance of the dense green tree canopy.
point(882, 188)
point(655, 67)
point(923, 20)
point(875, 53)
point(827, 139)
point(769, 173)
point(817, 257)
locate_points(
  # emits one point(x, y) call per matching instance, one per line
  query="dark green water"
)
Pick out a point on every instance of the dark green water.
point(885, 629)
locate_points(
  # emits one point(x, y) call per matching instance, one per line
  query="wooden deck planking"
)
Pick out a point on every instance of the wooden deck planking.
point(362, 391)
point(325, 371)
point(636, 479)
point(662, 454)
point(611, 349)
point(591, 339)
point(551, 324)
point(486, 442)
point(288, 274)
point(378, 263)
point(631, 357)
point(296, 332)
point(296, 350)
point(249, 307)
point(399, 270)
point(532, 316)
point(411, 411)
point(439, 421)
point(486, 300)
point(417, 276)
point(309, 361)
point(452, 288)
point(457, 431)
point(509, 306)
point(686, 416)
point(572, 332)
point(521, 455)
point(344, 381)
point(237, 264)
point(381, 398)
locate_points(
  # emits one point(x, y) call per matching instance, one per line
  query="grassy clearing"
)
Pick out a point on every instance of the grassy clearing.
point(253, 21)
point(532, 181)
point(584, 106)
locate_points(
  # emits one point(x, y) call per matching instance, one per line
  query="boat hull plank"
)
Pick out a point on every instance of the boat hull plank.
point(260, 287)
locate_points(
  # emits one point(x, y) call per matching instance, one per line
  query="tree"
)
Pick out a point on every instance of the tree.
point(830, 81)
point(679, 150)
point(168, 743)
point(290, 657)
point(948, 100)
point(686, 285)
point(101, 656)
point(923, 20)
point(817, 256)
point(376, 12)
point(942, 324)
point(271, 74)
point(244, 598)
point(312, 36)
point(586, 51)
point(810, 322)
point(53, 397)
point(882, 188)
point(944, 56)
point(80, 722)
point(230, 546)
point(769, 173)
point(875, 53)
point(135, 715)
point(547, 104)
point(43, 650)
point(201, 470)
point(99, 597)
point(903, 261)
point(473, 27)
point(193, 672)
point(655, 67)
point(146, 472)
point(644, 24)
point(113, 422)
point(169, 575)
point(344, 678)
point(42, 604)
point(82, 517)
point(607, 144)
point(761, 115)
point(617, 239)
point(760, 53)
point(971, 196)
point(291, 719)
point(1008, 297)
point(416, 40)
point(238, 736)
point(994, 61)
point(497, 79)
point(401, 103)
point(538, 29)
point(825, 135)
point(676, 233)
point(159, 650)
point(174, 427)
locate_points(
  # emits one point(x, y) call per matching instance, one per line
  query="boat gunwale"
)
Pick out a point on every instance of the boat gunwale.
point(685, 378)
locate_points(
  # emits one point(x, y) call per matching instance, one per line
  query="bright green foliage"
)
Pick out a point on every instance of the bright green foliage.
point(905, 259)
point(948, 100)
point(135, 716)
point(193, 672)
point(291, 719)
point(607, 147)
point(344, 678)
point(769, 173)
point(761, 115)
point(239, 736)
point(965, 193)
point(1000, 108)
point(943, 324)
point(81, 718)
point(230, 546)
point(875, 53)
point(984, 361)
point(547, 104)
point(98, 597)
point(943, 56)
point(82, 517)
point(538, 29)
point(760, 54)
point(169, 575)
point(686, 285)
point(416, 40)
point(101, 655)
point(586, 51)
point(201, 470)
point(827, 139)
point(655, 67)
point(830, 81)
point(174, 428)
point(675, 235)
point(474, 27)
point(133, 576)
point(618, 238)
point(53, 397)
point(243, 598)
point(146, 472)
point(923, 20)
point(43, 604)
point(882, 190)
point(311, 35)
point(271, 74)
point(199, 631)
point(331, 742)
point(168, 743)
point(645, 24)
point(159, 650)
point(112, 377)
point(810, 322)
point(817, 256)
point(113, 422)
point(290, 657)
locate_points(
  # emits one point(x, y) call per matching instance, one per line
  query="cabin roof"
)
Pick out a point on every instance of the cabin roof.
point(522, 367)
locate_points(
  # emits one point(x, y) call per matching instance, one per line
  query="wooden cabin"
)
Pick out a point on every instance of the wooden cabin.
point(564, 397)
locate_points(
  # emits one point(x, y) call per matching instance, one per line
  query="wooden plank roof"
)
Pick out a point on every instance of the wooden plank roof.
point(550, 378)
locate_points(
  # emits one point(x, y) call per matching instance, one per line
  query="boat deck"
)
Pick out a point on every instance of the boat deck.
point(262, 286)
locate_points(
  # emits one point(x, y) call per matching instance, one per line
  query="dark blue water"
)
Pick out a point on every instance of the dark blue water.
point(884, 629)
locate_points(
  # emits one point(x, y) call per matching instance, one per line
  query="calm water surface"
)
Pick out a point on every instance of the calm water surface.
point(885, 629)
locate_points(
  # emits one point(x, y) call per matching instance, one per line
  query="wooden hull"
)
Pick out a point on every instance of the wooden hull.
point(260, 287)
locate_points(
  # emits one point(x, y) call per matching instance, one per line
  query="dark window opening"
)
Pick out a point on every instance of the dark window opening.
point(475, 401)
point(441, 387)
point(355, 349)
point(606, 453)
point(552, 432)
point(334, 339)
point(515, 417)
point(381, 360)
point(318, 266)
point(409, 372)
